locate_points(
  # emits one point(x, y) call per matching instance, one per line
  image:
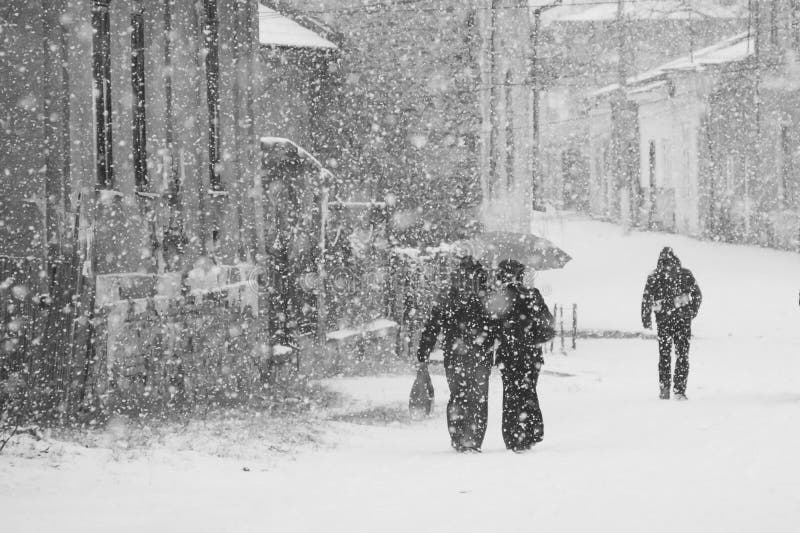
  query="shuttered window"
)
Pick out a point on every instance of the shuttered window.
point(101, 26)
point(139, 102)
point(212, 84)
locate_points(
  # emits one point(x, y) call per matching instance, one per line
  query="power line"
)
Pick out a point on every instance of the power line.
point(566, 57)
point(588, 117)
point(556, 83)
point(402, 8)
point(396, 8)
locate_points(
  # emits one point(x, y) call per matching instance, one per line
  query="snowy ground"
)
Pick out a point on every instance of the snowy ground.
point(614, 457)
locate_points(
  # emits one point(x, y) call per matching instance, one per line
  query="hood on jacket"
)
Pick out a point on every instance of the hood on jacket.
point(667, 260)
point(510, 271)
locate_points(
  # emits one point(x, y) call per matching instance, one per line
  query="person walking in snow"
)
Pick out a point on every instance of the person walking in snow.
point(523, 323)
point(460, 317)
point(672, 293)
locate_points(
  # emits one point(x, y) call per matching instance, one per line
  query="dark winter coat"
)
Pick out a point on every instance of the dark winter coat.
point(519, 323)
point(671, 292)
point(461, 318)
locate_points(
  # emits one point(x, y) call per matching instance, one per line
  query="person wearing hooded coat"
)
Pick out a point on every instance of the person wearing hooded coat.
point(672, 294)
point(521, 314)
point(460, 316)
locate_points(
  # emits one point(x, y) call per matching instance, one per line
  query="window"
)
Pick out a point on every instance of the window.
point(687, 158)
point(666, 164)
point(169, 119)
point(139, 102)
point(651, 189)
point(472, 33)
point(773, 22)
point(729, 173)
point(785, 161)
point(101, 43)
point(212, 84)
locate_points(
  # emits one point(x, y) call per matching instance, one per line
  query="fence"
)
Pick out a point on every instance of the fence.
point(194, 349)
point(46, 345)
point(156, 341)
point(416, 283)
point(563, 335)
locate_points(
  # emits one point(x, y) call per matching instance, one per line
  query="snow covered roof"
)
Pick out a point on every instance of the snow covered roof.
point(592, 10)
point(275, 29)
point(281, 141)
point(730, 50)
point(269, 142)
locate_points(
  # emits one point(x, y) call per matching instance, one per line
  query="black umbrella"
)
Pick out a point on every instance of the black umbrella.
point(494, 246)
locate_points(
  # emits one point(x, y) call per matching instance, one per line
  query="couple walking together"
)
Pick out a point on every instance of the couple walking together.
point(480, 328)
point(507, 325)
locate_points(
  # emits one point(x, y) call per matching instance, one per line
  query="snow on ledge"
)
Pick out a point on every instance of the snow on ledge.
point(379, 326)
point(280, 349)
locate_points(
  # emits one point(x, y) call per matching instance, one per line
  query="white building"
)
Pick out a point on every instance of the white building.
point(671, 103)
point(584, 45)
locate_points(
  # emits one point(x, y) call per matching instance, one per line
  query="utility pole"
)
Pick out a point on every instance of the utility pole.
point(623, 129)
point(493, 126)
point(753, 162)
point(622, 70)
point(535, 85)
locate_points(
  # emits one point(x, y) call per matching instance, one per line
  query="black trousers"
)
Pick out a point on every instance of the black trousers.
point(523, 425)
point(676, 334)
point(468, 407)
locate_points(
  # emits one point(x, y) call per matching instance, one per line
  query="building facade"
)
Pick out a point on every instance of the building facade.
point(669, 106)
point(132, 131)
point(586, 45)
point(130, 157)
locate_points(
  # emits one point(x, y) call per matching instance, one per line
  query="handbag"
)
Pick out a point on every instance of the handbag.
point(420, 399)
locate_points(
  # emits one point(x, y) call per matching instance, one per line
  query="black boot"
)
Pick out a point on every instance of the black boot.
point(664, 394)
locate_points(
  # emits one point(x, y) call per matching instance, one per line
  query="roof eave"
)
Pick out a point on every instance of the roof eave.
point(320, 49)
point(306, 21)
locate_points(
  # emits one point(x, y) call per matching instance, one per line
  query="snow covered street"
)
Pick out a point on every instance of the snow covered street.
point(281, 265)
point(614, 457)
